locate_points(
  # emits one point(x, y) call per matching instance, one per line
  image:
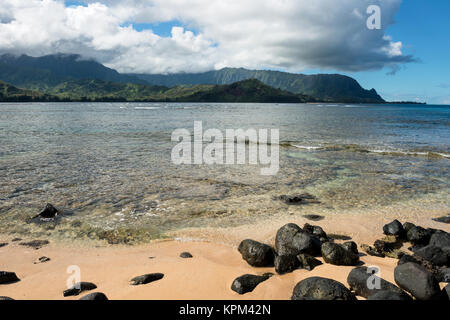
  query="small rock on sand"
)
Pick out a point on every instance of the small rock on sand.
point(146, 278)
point(95, 296)
point(8, 277)
point(42, 260)
point(3, 244)
point(186, 255)
point(247, 283)
point(445, 219)
point(6, 299)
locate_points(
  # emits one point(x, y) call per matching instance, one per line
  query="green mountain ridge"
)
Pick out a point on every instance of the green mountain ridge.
point(49, 72)
point(9, 93)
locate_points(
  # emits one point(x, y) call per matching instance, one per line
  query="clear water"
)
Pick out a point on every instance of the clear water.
point(108, 166)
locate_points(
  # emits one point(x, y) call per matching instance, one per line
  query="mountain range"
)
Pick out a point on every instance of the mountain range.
point(71, 77)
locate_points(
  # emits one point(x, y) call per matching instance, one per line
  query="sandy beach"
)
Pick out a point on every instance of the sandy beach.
point(208, 275)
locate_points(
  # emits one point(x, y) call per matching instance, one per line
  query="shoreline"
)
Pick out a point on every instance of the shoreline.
point(208, 275)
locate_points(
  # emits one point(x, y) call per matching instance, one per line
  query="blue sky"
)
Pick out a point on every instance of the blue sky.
point(172, 36)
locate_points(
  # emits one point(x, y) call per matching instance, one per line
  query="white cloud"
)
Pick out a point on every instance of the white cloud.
point(274, 34)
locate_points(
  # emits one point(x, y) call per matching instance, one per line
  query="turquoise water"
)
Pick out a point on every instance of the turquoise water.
point(108, 166)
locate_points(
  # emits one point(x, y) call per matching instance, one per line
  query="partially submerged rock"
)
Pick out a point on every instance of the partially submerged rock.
point(146, 278)
point(337, 254)
point(308, 262)
point(257, 254)
point(35, 244)
point(78, 288)
point(286, 263)
point(8, 277)
point(95, 296)
point(317, 288)
point(49, 212)
point(247, 283)
point(303, 198)
point(418, 281)
point(365, 283)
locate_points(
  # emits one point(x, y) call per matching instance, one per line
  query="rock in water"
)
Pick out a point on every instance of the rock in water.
point(395, 228)
point(286, 263)
point(308, 262)
point(247, 283)
point(433, 254)
point(146, 278)
point(365, 283)
point(384, 295)
point(418, 236)
point(35, 244)
point(49, 212)
point(317, 288)
point(78, 288)
point(337, 254)
point(418, 281)
point(257, 254)
point(95, 296)
point(303, 198)
point(186, 255)
point(8, 277)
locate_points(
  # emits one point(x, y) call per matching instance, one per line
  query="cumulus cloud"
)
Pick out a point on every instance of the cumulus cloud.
point(272, 34)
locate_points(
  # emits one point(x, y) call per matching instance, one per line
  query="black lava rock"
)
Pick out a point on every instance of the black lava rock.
point(308, 262)
point(49, 212)
point(313, 217)
point(6, 299)
point(418, 281)
point(78, 288)
point(146, 278)
point(385, 295)
point(8, 277)
point(186, 255)
point(441, 239)
point(257, 254)
point(446, 292)
point(337, 254)
point(286, 263)
point(95, 296)
point(298, 199)
point(445, 219)
point(317, 288)
point(365, 283)
point(408, 258)
point(285, 237)
point(351, 246)
point(3, 244)
point(315, 230)
point(42, 260)
point(247, 283)
point(433, 254)
point(418, 236)
point(395, 228)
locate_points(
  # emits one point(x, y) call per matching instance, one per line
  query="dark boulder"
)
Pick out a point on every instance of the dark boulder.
point(395, 228)
point(298, 199)
point(351, 246)
point(364, 283)
point(408, 258)
point(286, 263)
point(304, 242)
point(441, 239)
point(95, 296)
point(385, 295)
point(3, 244)
point(315, 230)
point(257, 254)
point(8, 277)
point(42, 260)
point(186, 255)
point(408, 226)
point(146, 278)
point(247, 283)
point(292, 240)
point(78, 288)
point(308, 262)
point(2, 298)
point(337, 254)
point(418, 236)
point(317, 288)
point(418, 281)
point(443, 275)
point(433, 254)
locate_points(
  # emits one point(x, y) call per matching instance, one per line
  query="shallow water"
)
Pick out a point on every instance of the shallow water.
point(108, 166)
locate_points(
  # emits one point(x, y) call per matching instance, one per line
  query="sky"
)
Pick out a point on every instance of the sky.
point(406, 59)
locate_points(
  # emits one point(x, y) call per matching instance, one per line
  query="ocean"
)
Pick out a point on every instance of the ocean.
point(108, 168)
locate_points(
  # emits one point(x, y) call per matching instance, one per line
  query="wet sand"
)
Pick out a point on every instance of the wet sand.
point(208, 275)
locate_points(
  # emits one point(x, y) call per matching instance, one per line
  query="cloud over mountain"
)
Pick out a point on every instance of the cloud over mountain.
point(206, 34)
